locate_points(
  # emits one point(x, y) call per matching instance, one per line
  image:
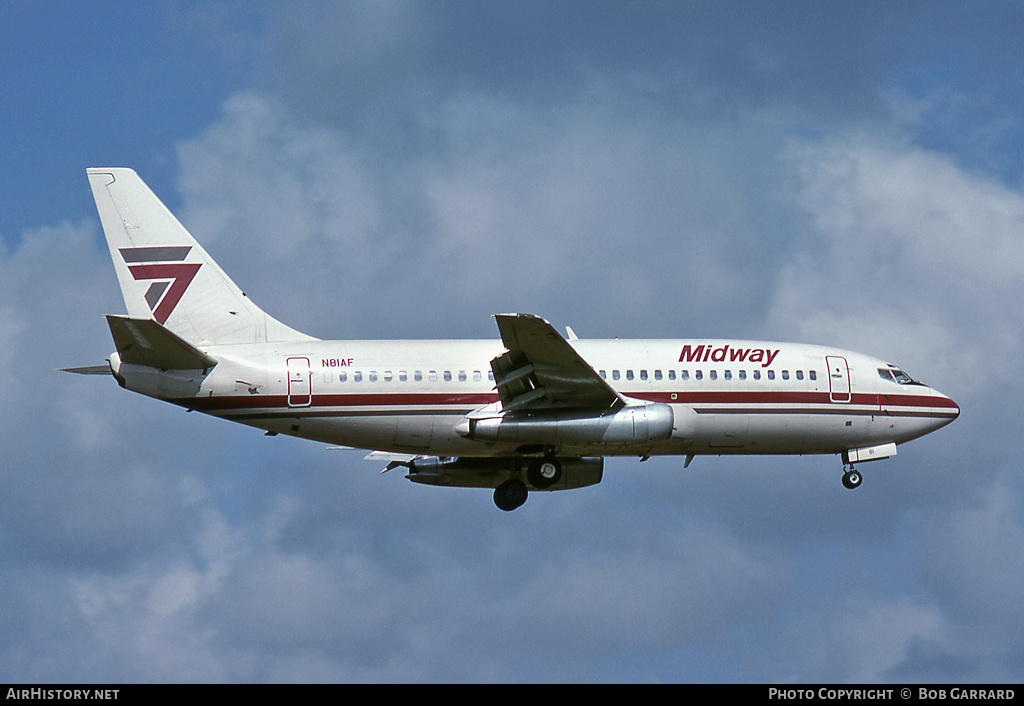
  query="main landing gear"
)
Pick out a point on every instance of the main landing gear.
point(542, 473)
point(852, 477)
point(510, 495)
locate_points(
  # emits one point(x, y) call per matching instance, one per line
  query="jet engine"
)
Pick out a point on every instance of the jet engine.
point(634, 425)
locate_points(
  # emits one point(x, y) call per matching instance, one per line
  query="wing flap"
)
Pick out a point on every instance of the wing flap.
point(394, 460)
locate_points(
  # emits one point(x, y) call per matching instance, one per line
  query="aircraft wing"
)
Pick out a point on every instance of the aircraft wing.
point(541, 370)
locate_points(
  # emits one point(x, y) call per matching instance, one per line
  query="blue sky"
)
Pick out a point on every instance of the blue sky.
point(836, 173)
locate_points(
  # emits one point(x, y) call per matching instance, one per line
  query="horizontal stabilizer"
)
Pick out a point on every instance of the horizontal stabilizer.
point(147, 342)
point(88, 370)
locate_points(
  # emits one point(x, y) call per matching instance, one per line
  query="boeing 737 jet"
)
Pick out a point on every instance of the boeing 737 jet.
point(531, 410)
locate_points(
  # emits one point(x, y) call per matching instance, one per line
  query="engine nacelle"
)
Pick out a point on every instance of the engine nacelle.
point(464, 472)
point(635, 425)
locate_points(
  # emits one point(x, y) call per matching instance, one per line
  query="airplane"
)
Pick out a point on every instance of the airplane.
point(533, 411)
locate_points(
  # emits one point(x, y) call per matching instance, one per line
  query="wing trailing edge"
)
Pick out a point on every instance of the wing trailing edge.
point(542, 370)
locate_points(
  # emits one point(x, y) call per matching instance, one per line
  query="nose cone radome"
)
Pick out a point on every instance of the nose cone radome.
point(946, 410)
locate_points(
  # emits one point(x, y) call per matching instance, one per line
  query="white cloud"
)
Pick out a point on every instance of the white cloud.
point(908, 254)
point(853, 633)
point(880, 636)
point(259, 181)
point(969, 558)
point(690, 582)
point(596, 207)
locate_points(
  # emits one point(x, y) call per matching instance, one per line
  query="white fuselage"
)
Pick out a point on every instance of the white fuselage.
point(527, 411)
point(727, 397)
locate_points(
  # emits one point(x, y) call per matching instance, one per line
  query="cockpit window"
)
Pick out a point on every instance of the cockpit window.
point(896, 375)
point(901, 377)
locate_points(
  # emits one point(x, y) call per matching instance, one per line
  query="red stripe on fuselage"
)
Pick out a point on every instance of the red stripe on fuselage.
point(718, 397)
point(793, 400)
point(410, 399)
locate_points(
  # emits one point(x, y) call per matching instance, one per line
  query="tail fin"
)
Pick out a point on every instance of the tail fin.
point(166, 275)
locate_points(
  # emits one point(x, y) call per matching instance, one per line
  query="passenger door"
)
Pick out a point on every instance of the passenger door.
point(838, 378)
point(300, 393)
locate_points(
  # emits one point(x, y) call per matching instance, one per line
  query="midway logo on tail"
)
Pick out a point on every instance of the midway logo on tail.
point(166, 266)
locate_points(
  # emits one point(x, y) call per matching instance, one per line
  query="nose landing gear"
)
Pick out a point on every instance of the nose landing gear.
point(852, 477)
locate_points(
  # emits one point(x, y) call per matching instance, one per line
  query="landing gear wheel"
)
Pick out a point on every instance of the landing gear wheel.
point(510, 494)
point(852, 479)
point(544, 473)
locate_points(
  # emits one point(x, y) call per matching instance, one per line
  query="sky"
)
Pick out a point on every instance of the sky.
point(842, 173)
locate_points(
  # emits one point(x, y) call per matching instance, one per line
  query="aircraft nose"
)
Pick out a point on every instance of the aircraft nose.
point(947, 408)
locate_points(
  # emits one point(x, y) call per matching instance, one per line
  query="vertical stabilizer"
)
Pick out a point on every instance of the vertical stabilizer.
point(165, 275)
